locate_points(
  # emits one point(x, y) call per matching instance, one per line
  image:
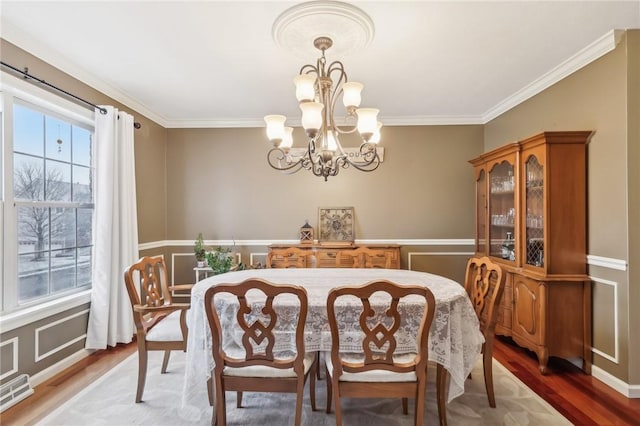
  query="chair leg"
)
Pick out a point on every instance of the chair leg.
point(329, 389)
point(419, 408)
point(165, 361)
point(299, 396)
point(238, 399)
point(142, 370)
point(336, 400)
point(487, 360)
point(442, 376)
point(221, 403)
point(405, 406)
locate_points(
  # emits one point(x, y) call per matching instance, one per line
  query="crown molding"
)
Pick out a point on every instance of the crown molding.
point(595, 50)
point(213, 124)
point(54, 58)
point(388, 122)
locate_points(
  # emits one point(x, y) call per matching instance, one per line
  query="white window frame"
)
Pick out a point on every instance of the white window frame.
point(12, 315)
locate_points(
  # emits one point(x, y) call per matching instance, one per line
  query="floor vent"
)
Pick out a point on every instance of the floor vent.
point(14, 391)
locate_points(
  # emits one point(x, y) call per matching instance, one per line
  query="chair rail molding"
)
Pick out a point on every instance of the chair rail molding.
point(607, 262)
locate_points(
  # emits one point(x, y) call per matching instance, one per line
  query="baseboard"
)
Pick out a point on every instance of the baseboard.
point(630, 391)
point(51, 371)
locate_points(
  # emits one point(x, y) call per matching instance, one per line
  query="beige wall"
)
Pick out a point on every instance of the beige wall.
point(219, 183)
point(597, 98)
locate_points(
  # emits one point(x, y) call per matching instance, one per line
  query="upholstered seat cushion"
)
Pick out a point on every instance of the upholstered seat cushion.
point(167, 329)
point(374, 375)
point(264, 371)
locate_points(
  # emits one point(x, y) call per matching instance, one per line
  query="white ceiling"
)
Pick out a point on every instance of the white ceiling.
point(215, 64)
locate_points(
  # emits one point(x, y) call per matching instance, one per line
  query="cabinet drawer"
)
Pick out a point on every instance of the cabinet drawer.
point(327, 259)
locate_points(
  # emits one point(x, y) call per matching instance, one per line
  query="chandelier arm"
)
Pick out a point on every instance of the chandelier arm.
point(308, 69)
point(279, 155)
point(336, 66)
point(346, 132)
point(370, 157)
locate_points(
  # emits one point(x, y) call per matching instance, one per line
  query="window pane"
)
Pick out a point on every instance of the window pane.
point(33, 276)
point(84, 267)
point(28, 182)
point(81, 146)
point(58, 181)
point(85, 217)
point(33, 230)
point(82, 190)
point(28, 131)
point(58, 139)
point(63, 270)
point(63, 228)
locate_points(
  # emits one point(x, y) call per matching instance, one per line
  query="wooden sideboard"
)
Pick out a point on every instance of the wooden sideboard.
point(326, 254)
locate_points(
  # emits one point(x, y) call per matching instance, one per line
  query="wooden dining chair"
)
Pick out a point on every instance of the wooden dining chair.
point(379, 371)
point(160, 323)
point(256, 367)
point(365, 257)
point(290, 257)
point(484, 283)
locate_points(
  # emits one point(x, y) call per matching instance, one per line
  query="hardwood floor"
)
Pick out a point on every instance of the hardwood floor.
point(582, 399)
point(579, 397)
point(60, 388)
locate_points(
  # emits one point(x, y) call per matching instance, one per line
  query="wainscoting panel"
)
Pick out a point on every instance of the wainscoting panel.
point(58, 335)
point(8, 358)
point(605, 321)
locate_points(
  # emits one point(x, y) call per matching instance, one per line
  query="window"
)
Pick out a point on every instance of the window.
point(48, 172)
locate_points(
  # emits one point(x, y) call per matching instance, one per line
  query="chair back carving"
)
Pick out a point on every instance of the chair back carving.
point(292, 257)
point(258, 329)
point(379, 342)
point(363, 257)
point(146, 283)
point(484, 283)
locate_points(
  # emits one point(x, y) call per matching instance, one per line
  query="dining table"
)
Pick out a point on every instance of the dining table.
point(455, 341)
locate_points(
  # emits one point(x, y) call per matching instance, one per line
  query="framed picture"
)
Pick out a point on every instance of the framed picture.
point(336, 225)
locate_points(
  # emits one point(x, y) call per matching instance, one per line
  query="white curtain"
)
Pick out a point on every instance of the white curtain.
point(115, 231)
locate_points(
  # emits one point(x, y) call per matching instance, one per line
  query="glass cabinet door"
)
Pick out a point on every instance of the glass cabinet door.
point(481, 209)
point(502, 212)
point(534, 226)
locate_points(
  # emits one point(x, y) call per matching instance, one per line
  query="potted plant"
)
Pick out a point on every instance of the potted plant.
point(220, 260)
point(200, 251)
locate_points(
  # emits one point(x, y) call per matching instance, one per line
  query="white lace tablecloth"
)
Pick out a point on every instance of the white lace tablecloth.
point(455, 341)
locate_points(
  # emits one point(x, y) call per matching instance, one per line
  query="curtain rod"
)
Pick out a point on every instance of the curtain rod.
point(27, 76)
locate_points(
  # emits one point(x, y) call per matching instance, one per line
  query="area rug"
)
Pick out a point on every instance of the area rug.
point(110, 401)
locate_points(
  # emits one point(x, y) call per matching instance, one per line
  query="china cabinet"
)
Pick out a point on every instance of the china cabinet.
point(531, 218)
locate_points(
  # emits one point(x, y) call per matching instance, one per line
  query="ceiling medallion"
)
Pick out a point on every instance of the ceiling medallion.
point(350, 28)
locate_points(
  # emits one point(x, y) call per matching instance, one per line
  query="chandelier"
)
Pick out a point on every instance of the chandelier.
point(317, 89)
